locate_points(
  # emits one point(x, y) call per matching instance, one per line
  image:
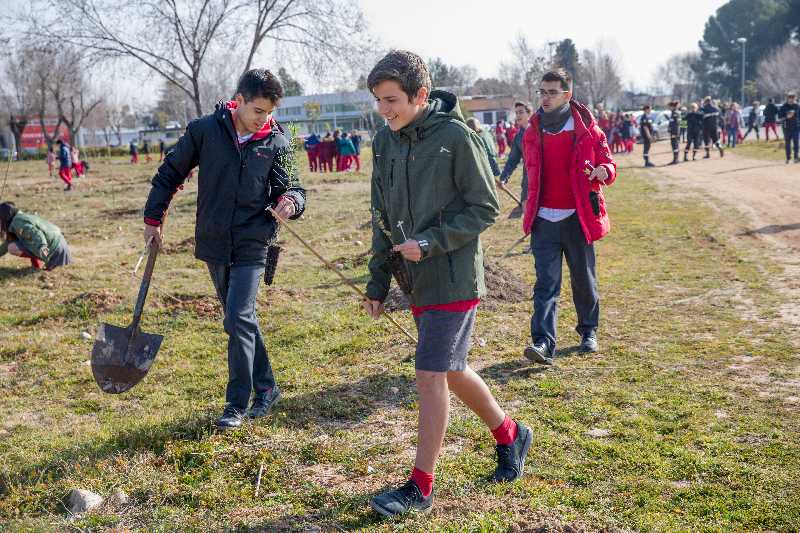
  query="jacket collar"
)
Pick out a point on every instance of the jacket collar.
point(225, 112)
point(584, 121)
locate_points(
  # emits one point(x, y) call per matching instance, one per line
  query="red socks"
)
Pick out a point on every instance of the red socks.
point(423, 480)
point(506, 432)
point(35, 261)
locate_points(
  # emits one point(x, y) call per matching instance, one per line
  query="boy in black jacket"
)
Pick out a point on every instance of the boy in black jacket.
point(246, 163)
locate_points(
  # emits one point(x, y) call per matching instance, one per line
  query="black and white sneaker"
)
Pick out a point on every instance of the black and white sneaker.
point(262, 404)
point(589, 343)
point(231, 418)
point(511, 457)
point(407, 498)
point(539, 352)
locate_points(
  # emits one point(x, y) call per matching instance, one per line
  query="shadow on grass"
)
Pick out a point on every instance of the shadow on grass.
point(339, 406)
point(344, 405)
point(771, 229)
point(522, 368)
point(13, 273)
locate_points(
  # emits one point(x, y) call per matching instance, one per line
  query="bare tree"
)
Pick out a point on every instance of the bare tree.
point(779, 72)
point(17, 95)
point(175, 38)
point(601, 78)
point(677, 78)
point(529, 64)
point(70, 91)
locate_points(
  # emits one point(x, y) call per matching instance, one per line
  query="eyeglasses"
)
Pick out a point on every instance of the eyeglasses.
point(549, 94)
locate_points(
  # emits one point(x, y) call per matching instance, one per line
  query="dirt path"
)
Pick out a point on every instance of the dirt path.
point(767, 193)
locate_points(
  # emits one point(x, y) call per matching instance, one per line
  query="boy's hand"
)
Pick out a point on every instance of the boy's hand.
point(285, 208)
point(374, 308)
point(152, 232)
point(410, 250)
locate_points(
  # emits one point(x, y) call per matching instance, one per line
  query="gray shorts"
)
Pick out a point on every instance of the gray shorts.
point(61, 256)
point(444, 340)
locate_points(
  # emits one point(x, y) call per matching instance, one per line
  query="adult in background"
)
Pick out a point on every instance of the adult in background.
point(568, 161)
point(488, 143)
point(711, 127)
point(674, 131)
point(788, 115)
point(694, 131)
point(734, 120)
point(327, 152)
point(753, 120)
point(311, 144)
point(65, 163)
point(646, 130)
point(771, 118)
point(239, 143)
point(31, 237)
point(522, 114)
point(162, 150)
point(51, 160)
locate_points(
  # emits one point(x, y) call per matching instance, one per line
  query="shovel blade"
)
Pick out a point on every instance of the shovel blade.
point(121, 357)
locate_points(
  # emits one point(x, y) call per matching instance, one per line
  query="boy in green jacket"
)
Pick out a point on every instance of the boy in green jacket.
point(32, 237)
point(432, 195)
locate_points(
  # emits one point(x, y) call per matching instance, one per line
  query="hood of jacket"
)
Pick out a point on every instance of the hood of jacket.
point(442, 107)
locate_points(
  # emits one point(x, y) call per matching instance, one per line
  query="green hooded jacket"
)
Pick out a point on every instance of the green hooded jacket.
point(35, 234)
point(434, 178)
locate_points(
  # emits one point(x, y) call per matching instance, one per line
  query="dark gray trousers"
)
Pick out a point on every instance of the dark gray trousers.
point(551, 241)
point(248, 363)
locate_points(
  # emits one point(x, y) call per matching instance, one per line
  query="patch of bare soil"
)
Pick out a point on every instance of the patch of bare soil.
point(203, 306)
point(95, 302)
point(122, 212)
point(186, 245)
point(502, 286)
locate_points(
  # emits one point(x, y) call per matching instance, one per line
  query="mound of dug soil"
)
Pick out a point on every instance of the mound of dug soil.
point(204, 306)
point(186, 245)
point(92, 303)
point(502, 286)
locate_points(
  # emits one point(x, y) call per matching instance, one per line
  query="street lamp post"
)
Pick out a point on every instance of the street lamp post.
point(742, 41)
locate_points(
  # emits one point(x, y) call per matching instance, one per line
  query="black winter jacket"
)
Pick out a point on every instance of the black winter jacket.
point(235, 184)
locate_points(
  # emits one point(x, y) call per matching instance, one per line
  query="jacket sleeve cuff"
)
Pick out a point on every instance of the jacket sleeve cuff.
point(152, 221)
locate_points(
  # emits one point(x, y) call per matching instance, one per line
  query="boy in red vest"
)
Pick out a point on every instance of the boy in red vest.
point(568, 161)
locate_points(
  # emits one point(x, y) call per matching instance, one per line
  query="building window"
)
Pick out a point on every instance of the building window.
point(487, 117)
point(502, 115)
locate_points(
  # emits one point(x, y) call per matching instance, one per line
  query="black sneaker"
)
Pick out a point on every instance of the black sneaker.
point(231, 418)
point(407, 498)
point(511, 457)
point(539, 352)
point(263, 403)
point(589, 343)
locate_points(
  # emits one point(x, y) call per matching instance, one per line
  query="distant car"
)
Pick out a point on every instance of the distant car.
point(173, 124)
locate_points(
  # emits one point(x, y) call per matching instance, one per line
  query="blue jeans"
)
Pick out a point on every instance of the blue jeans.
point(551, 241)
point(733, 132)
point(248, 363)
point(789, 137)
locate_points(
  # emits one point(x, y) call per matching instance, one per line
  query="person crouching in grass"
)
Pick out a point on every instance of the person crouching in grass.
point(432, 195)
point(32, 237)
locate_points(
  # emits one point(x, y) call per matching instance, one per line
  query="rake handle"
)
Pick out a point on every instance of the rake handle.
point(344, 278)
point(503, 188)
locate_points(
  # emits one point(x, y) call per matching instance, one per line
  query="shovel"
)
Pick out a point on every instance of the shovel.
point(121, 356)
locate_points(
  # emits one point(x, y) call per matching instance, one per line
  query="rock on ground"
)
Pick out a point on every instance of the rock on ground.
point(80, 501)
